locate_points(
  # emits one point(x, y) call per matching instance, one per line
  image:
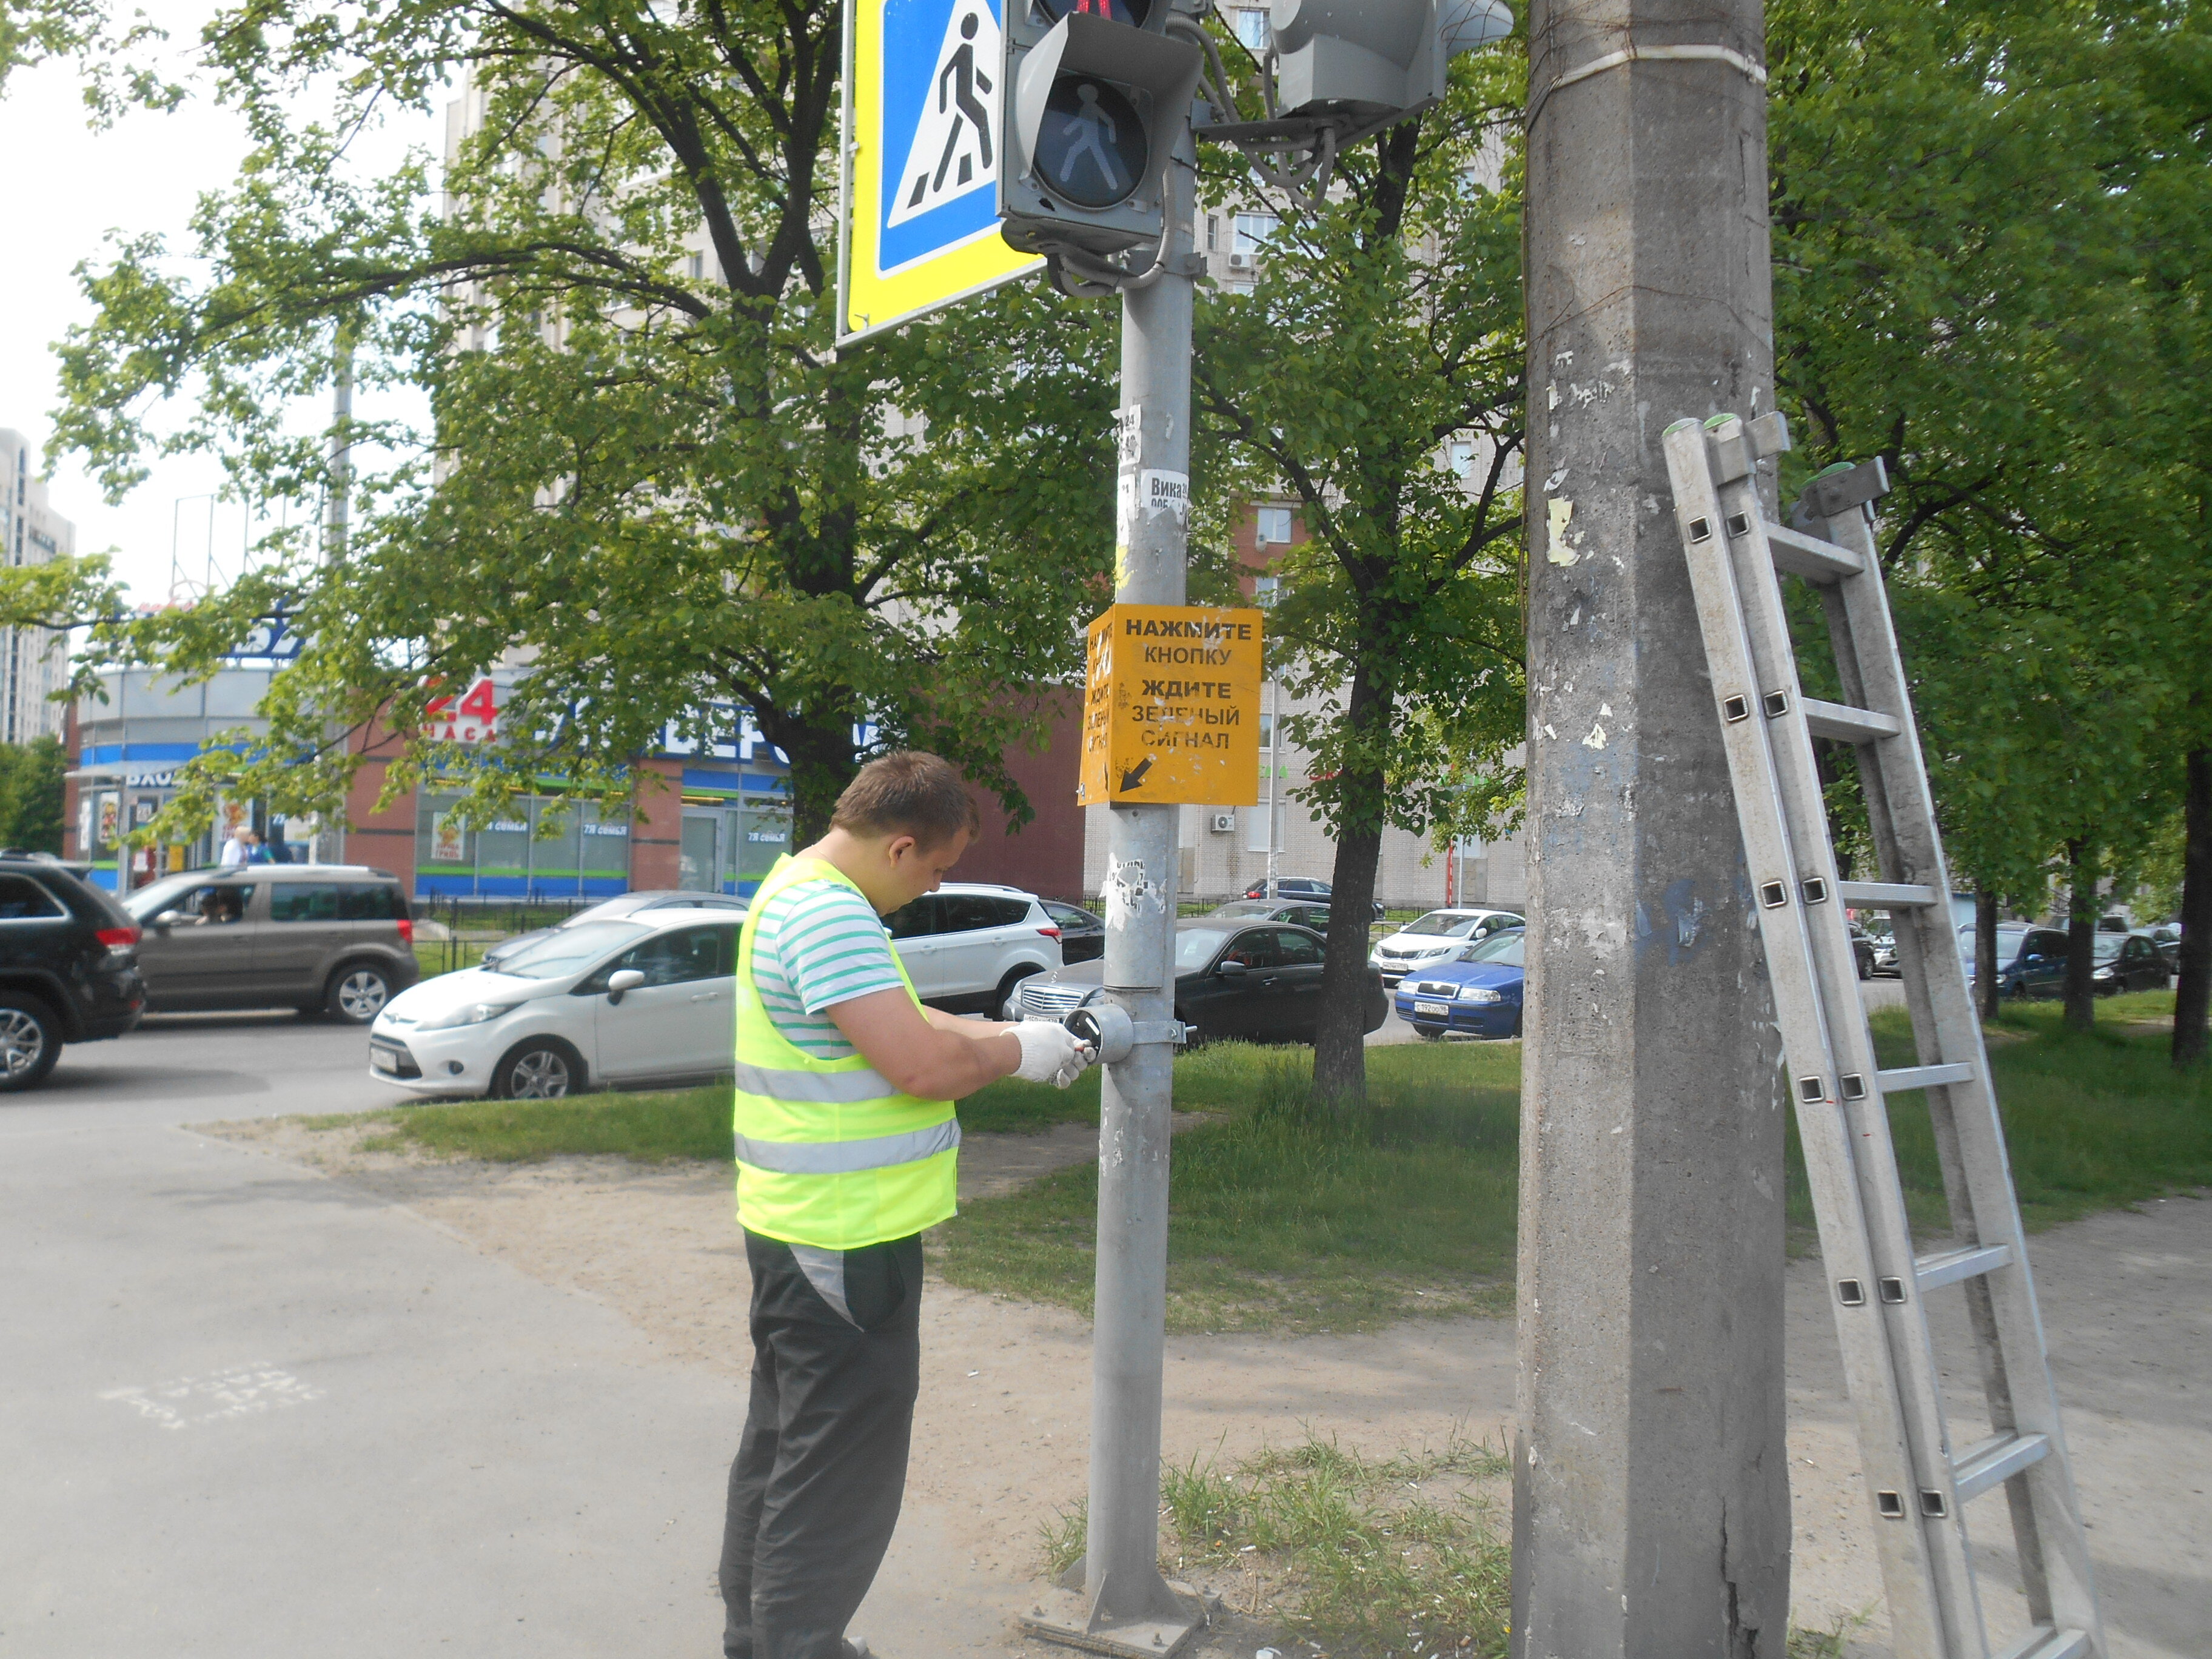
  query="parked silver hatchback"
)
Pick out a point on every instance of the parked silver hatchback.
point(328, 938)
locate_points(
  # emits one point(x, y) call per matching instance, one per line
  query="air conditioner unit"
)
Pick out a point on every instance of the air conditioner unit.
point(1224, 823)
point(1244, 262)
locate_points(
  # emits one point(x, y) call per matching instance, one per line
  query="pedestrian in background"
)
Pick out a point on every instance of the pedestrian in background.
point(846, 1145)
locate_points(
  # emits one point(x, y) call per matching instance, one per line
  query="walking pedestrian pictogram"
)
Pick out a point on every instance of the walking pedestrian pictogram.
point(922, 150)
point(1091, 146)
point(951, 153)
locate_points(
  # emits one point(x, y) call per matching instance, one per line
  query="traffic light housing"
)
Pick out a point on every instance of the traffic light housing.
point(1374, 61)
point(1095, 100)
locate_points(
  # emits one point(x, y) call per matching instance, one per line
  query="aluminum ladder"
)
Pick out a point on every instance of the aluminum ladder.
point(1919, 1485)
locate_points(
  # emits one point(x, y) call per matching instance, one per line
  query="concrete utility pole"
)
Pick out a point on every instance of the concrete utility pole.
point(1122, 1575)
point(1651, 1510)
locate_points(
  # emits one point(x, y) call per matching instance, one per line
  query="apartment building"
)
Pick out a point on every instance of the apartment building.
point(33, 661)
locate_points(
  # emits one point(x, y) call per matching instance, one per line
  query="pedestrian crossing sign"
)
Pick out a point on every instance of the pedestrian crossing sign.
point(919, 215)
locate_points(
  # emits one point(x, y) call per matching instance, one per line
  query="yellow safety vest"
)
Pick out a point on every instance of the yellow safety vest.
point(830, 1154)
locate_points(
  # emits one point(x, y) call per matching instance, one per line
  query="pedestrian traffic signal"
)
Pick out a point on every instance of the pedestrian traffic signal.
point(1095, 97)
point(1370, 60)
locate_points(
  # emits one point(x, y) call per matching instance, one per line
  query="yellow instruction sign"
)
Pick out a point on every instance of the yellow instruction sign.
point(1171, 707)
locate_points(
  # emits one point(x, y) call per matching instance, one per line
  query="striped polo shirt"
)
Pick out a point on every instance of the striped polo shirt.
point(817, 944)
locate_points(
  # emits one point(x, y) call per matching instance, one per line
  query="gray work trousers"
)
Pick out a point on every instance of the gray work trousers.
point(820, 1468)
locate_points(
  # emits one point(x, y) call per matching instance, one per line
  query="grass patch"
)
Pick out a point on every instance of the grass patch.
point(660, 1128)
point(2091, 1122)
point(645, 1129)
point(440, 956)
point(1282, 1218)
point(1286, 1218)
point(1401, 1554)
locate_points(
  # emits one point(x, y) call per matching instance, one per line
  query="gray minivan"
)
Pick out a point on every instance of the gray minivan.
point(331, 938)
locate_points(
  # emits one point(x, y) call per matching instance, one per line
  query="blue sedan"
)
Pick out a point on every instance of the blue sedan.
point(1476, 993)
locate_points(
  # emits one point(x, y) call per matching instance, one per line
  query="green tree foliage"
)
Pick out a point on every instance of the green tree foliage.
point(1990, 223)
point(31, 782)
point(642, 476)
point(1386, 327)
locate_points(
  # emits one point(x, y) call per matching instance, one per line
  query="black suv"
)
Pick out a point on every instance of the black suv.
point(69, 966)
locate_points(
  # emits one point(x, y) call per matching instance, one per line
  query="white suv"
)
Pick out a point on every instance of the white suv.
point(1435, 936)
point(969, 944)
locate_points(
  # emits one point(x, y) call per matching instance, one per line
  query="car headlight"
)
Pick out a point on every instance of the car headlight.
point(474, 1013)
point(1479, 993)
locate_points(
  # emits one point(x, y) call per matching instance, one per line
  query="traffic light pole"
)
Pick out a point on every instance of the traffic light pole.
point(1127, 1606)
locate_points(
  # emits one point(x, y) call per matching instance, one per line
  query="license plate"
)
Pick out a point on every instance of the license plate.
point(1433, 1010)
point(379, 1059)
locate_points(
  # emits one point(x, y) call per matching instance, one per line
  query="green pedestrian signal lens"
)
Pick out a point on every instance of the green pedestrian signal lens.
point(1090, 146)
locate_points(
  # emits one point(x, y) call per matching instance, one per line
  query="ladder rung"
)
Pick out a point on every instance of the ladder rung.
point(1886, 894)
point(1808, 556)
point(1933, 1273)
point(1904, 1078)
point(1978, 1468)
point(2045, 1642)
point(1845, 723)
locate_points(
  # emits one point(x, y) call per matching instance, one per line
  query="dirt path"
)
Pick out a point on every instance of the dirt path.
point(1002, 1430)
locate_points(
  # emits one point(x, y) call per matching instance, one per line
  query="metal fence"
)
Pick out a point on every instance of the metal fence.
point(460, 928)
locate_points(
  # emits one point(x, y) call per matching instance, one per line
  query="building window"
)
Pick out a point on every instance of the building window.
point(1252, 30)
point(1462, 458)
point(698, 266)
point(1265, 591)
point(1274, 526)
point(1253, 230)
point(1212, 232)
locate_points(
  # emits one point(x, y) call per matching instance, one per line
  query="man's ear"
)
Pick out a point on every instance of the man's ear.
point(898, 846)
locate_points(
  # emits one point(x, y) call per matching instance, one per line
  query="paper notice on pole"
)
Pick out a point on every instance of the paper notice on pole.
point(1166, 492)
point(1130, 424)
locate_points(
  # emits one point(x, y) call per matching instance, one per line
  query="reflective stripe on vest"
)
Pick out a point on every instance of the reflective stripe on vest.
point(841, 1157)
point(829, 1088)
point(830, 1153)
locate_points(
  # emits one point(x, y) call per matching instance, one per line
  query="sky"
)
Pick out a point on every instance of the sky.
point(69, 187)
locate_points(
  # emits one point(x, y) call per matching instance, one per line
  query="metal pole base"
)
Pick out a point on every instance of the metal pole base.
point(1068, 1619)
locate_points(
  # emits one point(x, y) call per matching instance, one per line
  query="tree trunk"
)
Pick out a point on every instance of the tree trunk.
point(2194, 992)
point(1985, 951)
point(1340, 1040)
point(821, 764)
point(2081, 939)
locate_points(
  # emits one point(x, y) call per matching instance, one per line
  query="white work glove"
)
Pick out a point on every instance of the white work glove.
point(1051, 1053)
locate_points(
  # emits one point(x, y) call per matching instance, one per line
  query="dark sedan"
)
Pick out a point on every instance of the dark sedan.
point(1302, 912)
point(1082, 935)
point(2032, 961)
point(1233, 979)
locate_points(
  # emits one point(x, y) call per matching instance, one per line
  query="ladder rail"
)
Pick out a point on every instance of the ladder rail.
point(1861, 1115)
point(1918, 1608)
point(1735, 557)
point(2001, 1304)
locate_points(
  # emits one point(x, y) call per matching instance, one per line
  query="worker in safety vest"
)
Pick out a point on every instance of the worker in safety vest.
point(846, 1145)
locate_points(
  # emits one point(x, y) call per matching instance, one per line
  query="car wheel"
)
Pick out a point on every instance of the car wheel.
point(30, 1043)
point(1008, 987)
point(543, 1068)
point(1866, 965)
point(357, 994)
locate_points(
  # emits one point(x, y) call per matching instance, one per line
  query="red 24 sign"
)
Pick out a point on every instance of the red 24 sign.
point(473, 718)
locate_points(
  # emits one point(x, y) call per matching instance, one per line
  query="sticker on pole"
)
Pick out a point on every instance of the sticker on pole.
point(1171, 707)
point(920, 222)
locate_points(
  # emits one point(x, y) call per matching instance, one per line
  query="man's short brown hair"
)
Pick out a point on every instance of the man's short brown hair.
point(908, 793)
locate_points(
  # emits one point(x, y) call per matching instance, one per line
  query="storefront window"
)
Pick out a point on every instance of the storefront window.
point(581, 853)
